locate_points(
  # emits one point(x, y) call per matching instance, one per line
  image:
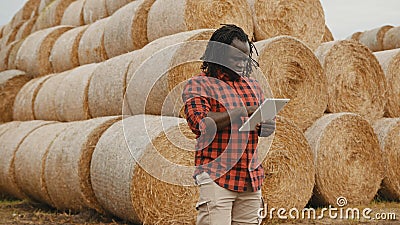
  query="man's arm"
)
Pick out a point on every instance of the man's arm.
point(224, 119)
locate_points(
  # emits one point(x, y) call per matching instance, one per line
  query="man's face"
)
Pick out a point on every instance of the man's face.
point(236, 57)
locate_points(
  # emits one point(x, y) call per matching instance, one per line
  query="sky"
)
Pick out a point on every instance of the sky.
point(343, 17)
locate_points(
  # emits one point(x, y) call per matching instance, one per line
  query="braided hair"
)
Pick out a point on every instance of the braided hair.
point(226, 34)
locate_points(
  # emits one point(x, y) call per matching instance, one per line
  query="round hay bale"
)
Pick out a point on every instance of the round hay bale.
point(52, 14)
point(12, 35)
point(28, 11)
point(347, 157)
point(24, 102)
point(391, 40)
point(327, 35)
point(7, 126)
point(388, 130)
point(9, 143)
point(113, 5)
point(127, 28)
point(293, 72)
point(73, 14)
point(71, 99)
point(33, 55)
point(94, 10)
point(43, 4)
point(11, 82)
point(4, 55)
point(12, 56)
point(67, 166)
point(64, 55)
point(390, 63)
point(170, 16)
point(373, 39)
point(107, 86)
point(91, 46)
point(26, 29)
point(30, 161)
point(355, 36)
point(356, 82)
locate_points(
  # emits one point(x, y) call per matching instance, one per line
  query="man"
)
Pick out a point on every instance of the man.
point(217, 102)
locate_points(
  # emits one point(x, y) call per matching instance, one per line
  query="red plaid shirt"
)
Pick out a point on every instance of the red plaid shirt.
point(229, 156)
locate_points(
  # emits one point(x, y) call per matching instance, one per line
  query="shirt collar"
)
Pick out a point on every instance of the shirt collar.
point(225, 77)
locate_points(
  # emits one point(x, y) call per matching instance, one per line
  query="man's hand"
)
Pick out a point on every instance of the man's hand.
point(266, 128)
point(251, 109)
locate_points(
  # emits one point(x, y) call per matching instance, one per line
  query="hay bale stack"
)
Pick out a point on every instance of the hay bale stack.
point(347, 157)
point(356, 82)
point(170, 16)
point(12, 34)
point(67, 166)
point(33, 55)
point(113, 5)
point(9, 143)
point(24, 102)
point(91, 46)
point(11, 82)
point(293, 72)
point(373, 39)
point(30, 161)
point(64, 55)
point(28, 11)
point(94, 10)
point(73, 14)
point(391, 40)
point(52, 15)
point(26, 29)
point(388, 130)
point(12, 56)
point(390, 63)
point(127, 28)
point(327, 35)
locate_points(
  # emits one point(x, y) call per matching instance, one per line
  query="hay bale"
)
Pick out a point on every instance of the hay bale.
point(71, 99)
point(24, 102)
point(388, 130)
point(293, 72)
point(355, 36)
point(113, 5)
point(373, 39)
point(12, 56)
point(94, 10)
point(1, 31)
point(127, 28)
point(28, 11)
point(73, 14)
point(52, 15)
point(67, 166)
point(390, 63)
point(30, 161)
point(170, 16)
point(91, 46)
point(9, 143)
point(347, 157)
point(12, 35)
point(26, 29)
point(11, 82)
point(391, 40)
point(356, 82)
point(64, 55)
point(33, 55)
point(4, 54)
point(327, 35)
point(43, 4)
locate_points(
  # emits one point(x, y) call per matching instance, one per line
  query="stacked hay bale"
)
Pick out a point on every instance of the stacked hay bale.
point(51, 15)
point(391, 40)
point(94, 10)
point(91, 46)
point(113, 5)
point(73, 15)
point(12, 56)
point(373, 38)
point(327, 35)
point(26, 29)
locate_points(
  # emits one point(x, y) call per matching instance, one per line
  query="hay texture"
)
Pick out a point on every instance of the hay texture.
point(327, 35)
point(28, 11)
point(26, 29)
point(355, 36)
point(347, 157)
point(127, 28)
point(391, 40)
point(390, 63)
point(91, 46)
point(113, 5)
point(356, 82)
point(64, 55)
point(67, 166)
point(73, 15)
point(373, 39)
point(170, 16)
point(51, 16)
point(11, 82)
point(33, 55)
point(4, 55)
point(388, 130)
point(9, 143)
point(43, 4)
point(94, 10)
point(293, 72)
point(12, 56)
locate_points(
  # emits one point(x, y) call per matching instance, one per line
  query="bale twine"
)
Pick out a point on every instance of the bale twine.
point(26, 29)
point(33, 55)
point(30, 161)
point(293, 72)
point(388, 130)
point(390, 63)
point(113, 5)
point(94, 10)
point(391, 40)
point(327, 35)
point(127, 28)
point(52, 15)
point(11, 82)
point(9, 143)
point(347, 157)
point(67, 166)
point(170, 16)
point(356, 82)
point(72, 97)
point(24, 102)
point(64, 55)
point(12, 56)
point(91, 46)
point(73, 15)
point(373, 39)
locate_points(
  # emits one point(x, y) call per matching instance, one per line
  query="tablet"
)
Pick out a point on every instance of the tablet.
point(266, 111)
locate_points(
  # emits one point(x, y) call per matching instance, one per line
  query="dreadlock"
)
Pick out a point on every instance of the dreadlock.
point(226, 34)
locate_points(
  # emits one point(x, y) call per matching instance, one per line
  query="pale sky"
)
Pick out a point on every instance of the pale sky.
point(343, 17)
